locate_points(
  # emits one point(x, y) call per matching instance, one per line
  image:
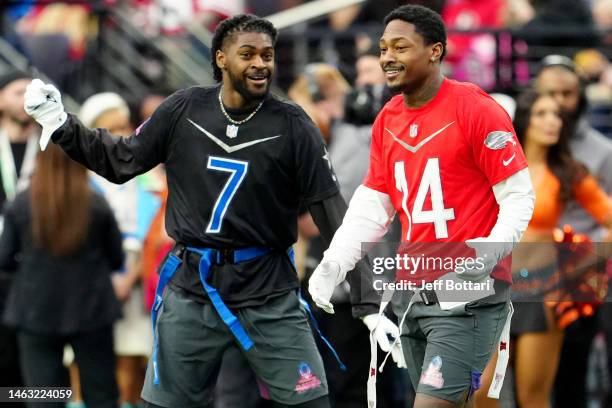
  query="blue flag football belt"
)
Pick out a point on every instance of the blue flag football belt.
point(209, 257)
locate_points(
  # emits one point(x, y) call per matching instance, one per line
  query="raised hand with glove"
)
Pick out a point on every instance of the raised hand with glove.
point(43, 102)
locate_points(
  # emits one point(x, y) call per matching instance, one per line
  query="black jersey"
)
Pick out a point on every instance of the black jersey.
point(227, 189)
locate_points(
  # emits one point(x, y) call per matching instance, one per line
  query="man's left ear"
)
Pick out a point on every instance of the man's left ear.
point(436, 52)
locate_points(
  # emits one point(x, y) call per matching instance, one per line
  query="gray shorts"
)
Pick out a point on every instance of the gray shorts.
point(446, 351)
point(192, 340)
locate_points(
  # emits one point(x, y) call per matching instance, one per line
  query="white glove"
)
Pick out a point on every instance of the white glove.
point(322, 283)
point(383, 328)
point(43, 102)
point(487, 256)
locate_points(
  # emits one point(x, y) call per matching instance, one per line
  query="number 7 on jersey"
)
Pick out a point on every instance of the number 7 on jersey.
point(237, 170)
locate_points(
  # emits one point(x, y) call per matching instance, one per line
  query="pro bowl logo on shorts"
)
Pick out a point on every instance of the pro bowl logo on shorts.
point(498, 139)
point(307, 380)
point(433, 375)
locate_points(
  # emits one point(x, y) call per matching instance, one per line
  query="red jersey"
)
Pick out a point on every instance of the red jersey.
point(438, 164)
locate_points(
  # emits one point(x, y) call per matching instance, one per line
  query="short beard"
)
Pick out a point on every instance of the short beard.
point(396, 89)
point(239, 85)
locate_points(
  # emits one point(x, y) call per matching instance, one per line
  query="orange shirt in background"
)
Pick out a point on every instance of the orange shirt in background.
point(548, 207)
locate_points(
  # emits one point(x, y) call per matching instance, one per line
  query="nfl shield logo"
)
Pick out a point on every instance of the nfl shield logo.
point(414, 130)
point(231, 131)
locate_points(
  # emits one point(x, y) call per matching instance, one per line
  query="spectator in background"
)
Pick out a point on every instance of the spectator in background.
point(374, 11)
point(602, 14)
point(574, 16)
point(68, 245)
point(18, 136)
point(170, 17)
point(349, 154)
point(320, 91)
point(557, 177)
point(148, 105)
point(471, 56)
point(600, 91)
point(349, 146)
point(599, 96)
point(18, 147)
point(108, 108)
point(371, 11)
point(590, 63)
point(558, 78)
point(209, 13)
point(54, 37)
point(133, 333)
point(507, 102)
point(516, 13)
point(71, 20)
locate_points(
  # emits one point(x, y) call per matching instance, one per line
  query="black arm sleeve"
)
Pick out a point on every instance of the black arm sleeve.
point(118, 159)
point(328, 215)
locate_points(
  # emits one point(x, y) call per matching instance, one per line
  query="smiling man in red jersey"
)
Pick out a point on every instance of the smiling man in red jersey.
point(444, 156)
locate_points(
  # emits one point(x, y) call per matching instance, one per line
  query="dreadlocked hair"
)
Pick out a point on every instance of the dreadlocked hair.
point(241, 23)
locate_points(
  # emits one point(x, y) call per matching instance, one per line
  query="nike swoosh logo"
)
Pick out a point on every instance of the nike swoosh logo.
point(226, 147)
point(507, 162)
point(414, 149)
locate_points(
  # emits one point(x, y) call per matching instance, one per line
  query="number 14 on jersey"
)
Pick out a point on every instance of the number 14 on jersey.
point(430, 182)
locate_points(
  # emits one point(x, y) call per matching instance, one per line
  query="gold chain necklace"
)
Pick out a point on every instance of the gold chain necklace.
point(232, 129)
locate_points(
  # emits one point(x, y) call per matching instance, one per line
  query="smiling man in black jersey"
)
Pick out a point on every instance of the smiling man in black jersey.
point(239, 161)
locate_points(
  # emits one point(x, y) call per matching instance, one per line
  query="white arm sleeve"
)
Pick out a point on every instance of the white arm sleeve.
point(516, 200)
point(367, 219)
point(370, 212)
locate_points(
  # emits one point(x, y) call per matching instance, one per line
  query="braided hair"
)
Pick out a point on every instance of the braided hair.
point(241, 23)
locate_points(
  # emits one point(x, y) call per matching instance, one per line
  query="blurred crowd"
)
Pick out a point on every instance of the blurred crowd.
point(489, 38)
point(89, 330)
